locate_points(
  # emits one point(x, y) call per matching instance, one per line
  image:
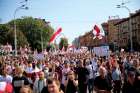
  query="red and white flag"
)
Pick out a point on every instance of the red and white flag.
point(98, 32)
point(6, 87)
point(55, 34)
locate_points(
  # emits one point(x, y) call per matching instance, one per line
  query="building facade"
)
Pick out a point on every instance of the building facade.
point(88, 41)
point(112, 31)
point(123, 27)
point(117, 33)
point(111, 35)
point(123, 32)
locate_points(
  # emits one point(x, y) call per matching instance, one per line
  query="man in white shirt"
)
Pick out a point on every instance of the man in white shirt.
point(94, 67)
point(90, 79)
point(65, 71)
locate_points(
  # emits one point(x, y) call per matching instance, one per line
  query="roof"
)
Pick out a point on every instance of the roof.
point(126, 19)
point(122, 20)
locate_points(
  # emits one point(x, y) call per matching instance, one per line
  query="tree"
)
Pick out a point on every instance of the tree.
point(3, 33)
point(33, 29)
point(21, 39)
point(7, 35)
point(63, 43)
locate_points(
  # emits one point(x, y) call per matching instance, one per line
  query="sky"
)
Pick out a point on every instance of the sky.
point(76, 17)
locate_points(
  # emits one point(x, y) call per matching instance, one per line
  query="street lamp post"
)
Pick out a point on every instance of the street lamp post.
point(130, 24)
point(15, 32)
point(42, 43)
point(42, 38)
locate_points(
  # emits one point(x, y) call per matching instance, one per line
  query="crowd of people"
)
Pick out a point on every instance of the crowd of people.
point(70, 72)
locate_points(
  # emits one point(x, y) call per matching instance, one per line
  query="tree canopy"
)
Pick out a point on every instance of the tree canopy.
point(30, 31)
point(63, 43)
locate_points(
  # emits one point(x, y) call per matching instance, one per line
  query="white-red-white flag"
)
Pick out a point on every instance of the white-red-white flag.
point(55, 34)
point(6, 87)
point(98, 32)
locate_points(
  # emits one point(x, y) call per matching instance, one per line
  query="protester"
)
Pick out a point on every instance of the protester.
point(5, 77)
point(101, 82)
point(65, 71)
point(90, 79)
point(72, 71)
point(129, 86)
point(71, 84)
point(25, 89)
point(39, 83)
point(83, 74)
point(58, 70)
point(136, 64)
point(19, 80)
point(116, 77)
point(52, 87)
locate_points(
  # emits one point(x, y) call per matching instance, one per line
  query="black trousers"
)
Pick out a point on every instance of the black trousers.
point(117, 86)
point(82, 87)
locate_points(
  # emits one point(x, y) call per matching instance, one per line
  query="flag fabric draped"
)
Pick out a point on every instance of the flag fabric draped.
point(55, 34)
point(98, 32)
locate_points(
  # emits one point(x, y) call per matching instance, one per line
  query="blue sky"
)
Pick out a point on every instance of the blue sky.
point(74, 16)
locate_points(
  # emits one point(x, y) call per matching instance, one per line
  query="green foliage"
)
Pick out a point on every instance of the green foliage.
point(3, 33)
point(29, 31)
point(7, 35)
point(21, 39)
point(63, 43)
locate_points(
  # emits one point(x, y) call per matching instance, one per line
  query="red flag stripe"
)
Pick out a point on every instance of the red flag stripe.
point(55, 34)
point(97, 29)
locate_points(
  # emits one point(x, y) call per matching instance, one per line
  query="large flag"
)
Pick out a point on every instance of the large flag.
point(55, 34)
point(6, 87)
point(98, 32)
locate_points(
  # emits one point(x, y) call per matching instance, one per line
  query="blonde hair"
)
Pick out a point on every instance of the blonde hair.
point(27, 87)
point(21, 69)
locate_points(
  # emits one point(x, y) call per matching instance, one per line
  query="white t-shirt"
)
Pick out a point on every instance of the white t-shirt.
point(7, 79)
point(29, 70)
point(64, 74)
point(89, 67)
